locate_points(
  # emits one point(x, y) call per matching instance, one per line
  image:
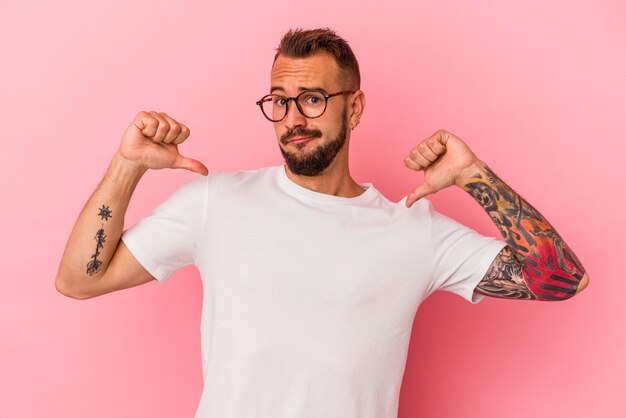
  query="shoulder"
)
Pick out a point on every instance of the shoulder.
point(241, 176)
point(224, 186)
point(422, 208)
point(232, 180)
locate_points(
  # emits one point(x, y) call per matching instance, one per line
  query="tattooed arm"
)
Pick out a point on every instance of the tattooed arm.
point(94, 244)
point(536, 263)
point(95, 260)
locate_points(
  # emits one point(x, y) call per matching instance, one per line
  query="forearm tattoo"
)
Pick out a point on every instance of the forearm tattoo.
point(94, 264)
point(537, 263)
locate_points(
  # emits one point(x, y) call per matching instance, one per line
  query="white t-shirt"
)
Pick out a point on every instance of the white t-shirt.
point(309, 298)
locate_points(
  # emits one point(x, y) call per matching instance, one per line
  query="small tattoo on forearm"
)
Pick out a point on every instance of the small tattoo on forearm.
point(94, 265)
point(105, 213)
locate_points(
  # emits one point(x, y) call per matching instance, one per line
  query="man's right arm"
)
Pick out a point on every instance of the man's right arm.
point(95, 260)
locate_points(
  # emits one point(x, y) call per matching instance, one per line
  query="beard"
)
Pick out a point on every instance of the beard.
point(318, 160)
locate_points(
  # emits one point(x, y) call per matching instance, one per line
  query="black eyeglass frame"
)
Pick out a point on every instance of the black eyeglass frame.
point(295, 100)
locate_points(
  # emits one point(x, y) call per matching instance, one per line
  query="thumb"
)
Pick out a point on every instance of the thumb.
point(422, 190)
point(191, 165)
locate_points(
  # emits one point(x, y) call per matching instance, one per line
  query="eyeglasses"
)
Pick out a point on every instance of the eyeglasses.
point(310, 103)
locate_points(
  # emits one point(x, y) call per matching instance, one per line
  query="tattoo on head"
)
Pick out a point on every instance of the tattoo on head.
point(94, 265)
point(105, 213)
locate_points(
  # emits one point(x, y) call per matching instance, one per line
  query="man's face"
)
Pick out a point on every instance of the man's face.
point(309, 146)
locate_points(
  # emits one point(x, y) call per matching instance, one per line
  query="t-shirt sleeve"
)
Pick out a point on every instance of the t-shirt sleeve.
point(168, 238)
point(461, 256)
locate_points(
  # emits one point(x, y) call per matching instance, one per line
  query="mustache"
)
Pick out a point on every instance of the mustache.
point(299, 132)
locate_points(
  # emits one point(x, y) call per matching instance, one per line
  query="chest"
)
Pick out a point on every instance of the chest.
point(315, 255)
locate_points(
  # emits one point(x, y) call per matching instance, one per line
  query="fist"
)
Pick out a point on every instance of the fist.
point(445, 160)
point(151, 140)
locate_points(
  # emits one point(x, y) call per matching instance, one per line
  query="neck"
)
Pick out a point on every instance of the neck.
point(335, 180)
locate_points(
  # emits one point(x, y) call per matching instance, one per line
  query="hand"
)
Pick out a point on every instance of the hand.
point(446, 161)
point(152, 139)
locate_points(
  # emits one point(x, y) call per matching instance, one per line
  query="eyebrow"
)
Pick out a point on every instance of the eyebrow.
point(301, 89)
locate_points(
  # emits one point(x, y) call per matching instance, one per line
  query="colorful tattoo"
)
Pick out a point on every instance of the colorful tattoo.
point(505, 279)
point(537, 264)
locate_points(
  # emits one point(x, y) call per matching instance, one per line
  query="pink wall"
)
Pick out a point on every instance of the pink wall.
point(536, 88)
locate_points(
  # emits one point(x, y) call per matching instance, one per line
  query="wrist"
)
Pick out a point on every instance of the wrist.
point(475, 170)
point(123, 171)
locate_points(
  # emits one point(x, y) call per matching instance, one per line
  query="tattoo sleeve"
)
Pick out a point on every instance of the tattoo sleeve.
point(537, 263)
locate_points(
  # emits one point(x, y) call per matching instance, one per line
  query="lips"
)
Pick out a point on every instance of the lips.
point(301, 140)
point(299, 136)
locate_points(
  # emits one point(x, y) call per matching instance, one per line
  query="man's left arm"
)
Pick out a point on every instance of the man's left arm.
point(536, 263)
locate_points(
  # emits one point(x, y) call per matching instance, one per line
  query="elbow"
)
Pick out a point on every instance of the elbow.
point(562, 293)
point(63, 286)
point(584, 282)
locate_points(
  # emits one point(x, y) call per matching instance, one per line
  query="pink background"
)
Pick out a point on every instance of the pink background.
point(537, 89)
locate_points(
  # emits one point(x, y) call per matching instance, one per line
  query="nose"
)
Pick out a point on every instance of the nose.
point(293, 118)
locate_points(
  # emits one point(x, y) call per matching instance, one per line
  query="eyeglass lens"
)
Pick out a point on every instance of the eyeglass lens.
point(310, 103)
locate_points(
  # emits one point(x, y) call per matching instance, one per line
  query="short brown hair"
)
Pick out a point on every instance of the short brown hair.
point(302, 43)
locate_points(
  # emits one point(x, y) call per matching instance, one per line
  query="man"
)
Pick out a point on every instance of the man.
point(311, 280)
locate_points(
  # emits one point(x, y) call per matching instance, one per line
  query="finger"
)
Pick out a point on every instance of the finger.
point(174, 128)
point(162, 129)
point(417, 156)
point(412, 164)
point(437, 144)
point(191, 165)
point(427, 151)
point(146, 124)
point(422, 190)
point(184, 134)
point(441, 136)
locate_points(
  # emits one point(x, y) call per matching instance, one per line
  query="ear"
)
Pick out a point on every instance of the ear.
point(357, 106)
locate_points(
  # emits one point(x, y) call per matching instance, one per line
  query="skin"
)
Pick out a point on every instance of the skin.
point(536, 264)
point(521, 270)
point(289, 77)
point(150, 142)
